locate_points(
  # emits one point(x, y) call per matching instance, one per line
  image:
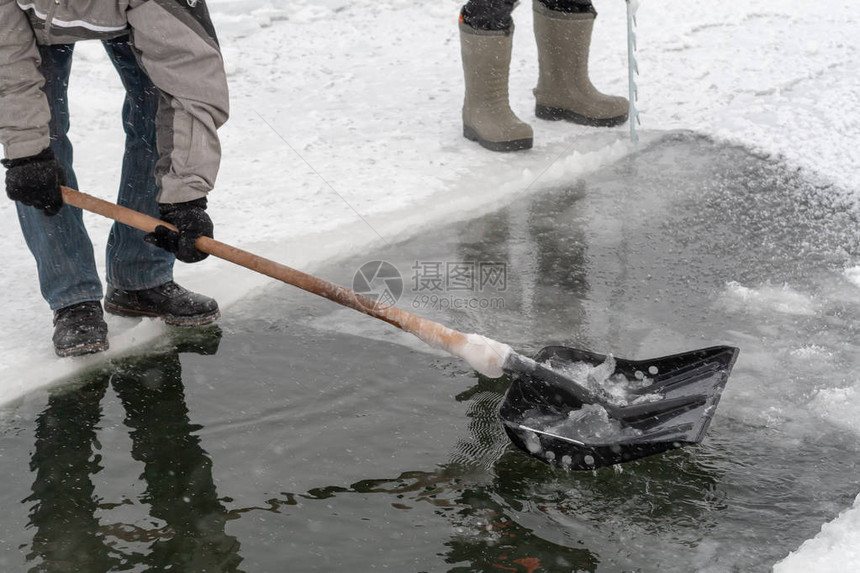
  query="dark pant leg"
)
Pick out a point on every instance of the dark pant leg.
point(569, 6)
point(131, 263)
point(60, 244)
point(488, 14)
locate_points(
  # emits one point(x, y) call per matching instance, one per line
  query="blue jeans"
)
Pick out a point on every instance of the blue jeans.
point(60, 244)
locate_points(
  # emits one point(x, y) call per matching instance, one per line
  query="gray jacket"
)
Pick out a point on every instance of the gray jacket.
point(175, 44)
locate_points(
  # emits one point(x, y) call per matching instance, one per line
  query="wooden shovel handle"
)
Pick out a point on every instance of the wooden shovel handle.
point(433, 333)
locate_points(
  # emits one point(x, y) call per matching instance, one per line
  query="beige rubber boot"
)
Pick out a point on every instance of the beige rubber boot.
point(487, 115)
point(564, 90)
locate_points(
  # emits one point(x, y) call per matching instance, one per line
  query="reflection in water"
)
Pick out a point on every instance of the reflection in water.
point(543, 247)
point(177, 472)
point(509, 512)
point(67, 534)
point(485, 535)
point(488, 535)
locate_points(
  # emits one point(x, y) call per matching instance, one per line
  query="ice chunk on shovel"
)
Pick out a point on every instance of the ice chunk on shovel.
point(683, 389)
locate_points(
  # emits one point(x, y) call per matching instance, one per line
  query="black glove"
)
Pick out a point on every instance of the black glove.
point(35, 181)
point(191, 220)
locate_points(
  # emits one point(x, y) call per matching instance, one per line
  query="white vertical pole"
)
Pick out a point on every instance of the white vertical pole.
point(632, 68)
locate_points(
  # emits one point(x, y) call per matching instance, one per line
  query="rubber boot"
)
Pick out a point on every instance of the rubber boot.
point(487, 115)
point(564, 90)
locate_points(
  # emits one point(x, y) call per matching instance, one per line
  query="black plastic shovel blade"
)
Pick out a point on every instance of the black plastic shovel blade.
point(668, 403)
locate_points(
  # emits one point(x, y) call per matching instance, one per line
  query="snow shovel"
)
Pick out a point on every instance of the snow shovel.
point(668, 403)
point(672, 407)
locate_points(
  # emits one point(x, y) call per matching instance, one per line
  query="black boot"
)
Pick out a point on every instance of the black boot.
point(170, 302)
point(80, 329)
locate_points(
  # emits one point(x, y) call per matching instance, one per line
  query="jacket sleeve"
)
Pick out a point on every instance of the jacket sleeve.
point(24, 112)
point(177, 47)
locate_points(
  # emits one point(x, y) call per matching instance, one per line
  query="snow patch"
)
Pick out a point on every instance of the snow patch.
point(766, 299)
point(836, 548)
point(126, 336)
point(853, 275)
point(838, 406)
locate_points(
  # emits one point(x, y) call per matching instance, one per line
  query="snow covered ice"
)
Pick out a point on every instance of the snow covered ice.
point(345, 132)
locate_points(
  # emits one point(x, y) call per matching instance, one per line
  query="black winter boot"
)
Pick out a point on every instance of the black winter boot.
point(170, 302)
point(80, 329)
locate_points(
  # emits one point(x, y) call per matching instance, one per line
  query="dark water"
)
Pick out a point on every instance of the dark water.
point(299, 436)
